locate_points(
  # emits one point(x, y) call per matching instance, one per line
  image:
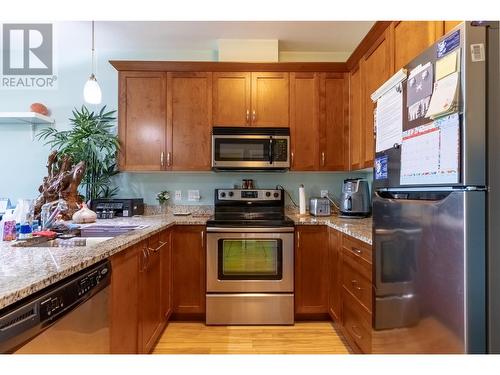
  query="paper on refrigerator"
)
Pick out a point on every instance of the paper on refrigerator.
point(444, 99)
point(430, 154)
point(389, 119)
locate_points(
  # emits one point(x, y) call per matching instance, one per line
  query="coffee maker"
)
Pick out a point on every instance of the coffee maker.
point(355, 199)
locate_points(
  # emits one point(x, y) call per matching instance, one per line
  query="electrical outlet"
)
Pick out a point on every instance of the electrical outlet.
point(178, 195)
point(324, 193)
point(193, 195)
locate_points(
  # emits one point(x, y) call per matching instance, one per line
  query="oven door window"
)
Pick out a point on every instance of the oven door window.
point(239, 149)
point(250, 259)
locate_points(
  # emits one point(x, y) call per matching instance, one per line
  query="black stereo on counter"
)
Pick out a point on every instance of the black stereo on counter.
point(107, 208)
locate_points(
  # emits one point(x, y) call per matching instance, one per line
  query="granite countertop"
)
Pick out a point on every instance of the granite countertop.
point(26, 270)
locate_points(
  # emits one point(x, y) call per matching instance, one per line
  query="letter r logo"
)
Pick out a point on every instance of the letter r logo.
point(27, 49)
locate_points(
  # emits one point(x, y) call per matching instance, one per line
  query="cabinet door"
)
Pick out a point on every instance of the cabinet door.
point(335, 272)
point(356, 153)
point(231, 99)
point(189, 269)
point(142, 120)
point(413, 37)
point(189, 97)
point(311, 270)
point(334, 127)
point(304, 121)
point(151, 318)
point(166, 274)
point(124, 308)
point(270, 99)
point(449, 25)
point(376, 68)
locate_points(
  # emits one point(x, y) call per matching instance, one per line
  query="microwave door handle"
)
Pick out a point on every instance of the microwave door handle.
point(271, 151)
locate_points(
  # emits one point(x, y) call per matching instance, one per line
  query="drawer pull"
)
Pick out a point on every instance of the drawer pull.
point(355, 284)
point(357, 251)
point(354, 331)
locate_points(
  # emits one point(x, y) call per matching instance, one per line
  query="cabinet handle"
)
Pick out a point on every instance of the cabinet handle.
point(291, 158)
point(202, 237)
point(254, 116)
point(169, 159)
point(144, 258)
point(357, 251)
point(161, 158)
point(355, 284)
point(298, 239)
point(323, 159)
point(354, 331)
point(248, 116)
point(158, 248)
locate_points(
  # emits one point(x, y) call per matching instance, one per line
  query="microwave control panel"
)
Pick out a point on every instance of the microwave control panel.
point(280, 149)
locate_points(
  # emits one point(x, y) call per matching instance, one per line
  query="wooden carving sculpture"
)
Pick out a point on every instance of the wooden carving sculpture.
point(61, 182)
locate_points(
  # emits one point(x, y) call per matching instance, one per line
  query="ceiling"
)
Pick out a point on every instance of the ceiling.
point(304, 36)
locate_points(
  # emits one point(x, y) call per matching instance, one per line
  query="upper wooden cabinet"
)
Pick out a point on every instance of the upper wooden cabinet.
point(142, 126)
point(334, 124)
point(449, 25)
point(376, 68)
point(270, 99)
point(304, 121)
point(189, 114)
point(356, 133)
point(256, 99)
point(231, 99)
point(412, 37)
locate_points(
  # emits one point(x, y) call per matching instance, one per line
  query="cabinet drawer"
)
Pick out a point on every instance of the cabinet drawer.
point(354, 281)
point(357, 247)
point(356, 322)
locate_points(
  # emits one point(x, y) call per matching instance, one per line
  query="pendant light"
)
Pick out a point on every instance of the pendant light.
point(91, 91)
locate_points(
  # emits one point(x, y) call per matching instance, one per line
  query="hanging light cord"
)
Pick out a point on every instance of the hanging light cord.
point(93, 51)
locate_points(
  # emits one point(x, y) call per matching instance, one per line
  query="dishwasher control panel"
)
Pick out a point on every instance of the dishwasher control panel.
point(71, 293)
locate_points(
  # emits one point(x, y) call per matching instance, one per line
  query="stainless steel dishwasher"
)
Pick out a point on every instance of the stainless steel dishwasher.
point(72, 317)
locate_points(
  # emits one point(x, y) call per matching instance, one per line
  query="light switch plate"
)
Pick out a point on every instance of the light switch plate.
point(178, 195)
point(324, 193)
point(193, 195)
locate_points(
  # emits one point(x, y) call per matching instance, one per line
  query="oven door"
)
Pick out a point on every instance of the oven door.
point(250, 261)
point(250, 152)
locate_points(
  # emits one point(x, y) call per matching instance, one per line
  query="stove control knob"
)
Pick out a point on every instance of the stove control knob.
point(268, 194)
point(276, 195)
point(222, 195)
point(231, 193)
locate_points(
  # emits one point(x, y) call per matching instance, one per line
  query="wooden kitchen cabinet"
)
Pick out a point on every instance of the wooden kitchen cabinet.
point(311, 271)
point(166, 273)
point(335, 274)
point(356, 133)
point(449, 25)
point(124, 301)
point(270, 99)
point(151, 319)
point(413, 37)
point(142, 127)
point(231, 98)
point(304, 121)
point(334, 124)
point(188, 271)
point(376, 68)
point(189, 121)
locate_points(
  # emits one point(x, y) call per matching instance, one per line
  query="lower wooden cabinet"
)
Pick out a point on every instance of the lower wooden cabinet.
point(189, 269)
point(335, 275)
point(140, 284)
point(311, 271)
point(166, 273)
point(124, 301)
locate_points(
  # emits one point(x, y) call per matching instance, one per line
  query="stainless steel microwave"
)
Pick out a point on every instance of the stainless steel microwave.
point(250, 149)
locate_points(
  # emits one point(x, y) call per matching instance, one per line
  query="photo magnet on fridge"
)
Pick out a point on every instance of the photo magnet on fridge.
point(448, 44)
point(381, 163)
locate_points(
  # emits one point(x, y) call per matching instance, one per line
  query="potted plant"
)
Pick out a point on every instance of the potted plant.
point(162, 197)
point(91, 139)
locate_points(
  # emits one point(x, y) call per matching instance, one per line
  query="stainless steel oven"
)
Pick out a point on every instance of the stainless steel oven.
point(250, 148)
point(250, 266)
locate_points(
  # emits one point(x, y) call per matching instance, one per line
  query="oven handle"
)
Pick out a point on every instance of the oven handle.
point(251, 230)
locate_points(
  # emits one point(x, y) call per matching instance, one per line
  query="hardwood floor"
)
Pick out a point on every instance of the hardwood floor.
point(302, 338)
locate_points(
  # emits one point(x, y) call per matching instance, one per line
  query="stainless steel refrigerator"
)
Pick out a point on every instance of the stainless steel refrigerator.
point(436, 211)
